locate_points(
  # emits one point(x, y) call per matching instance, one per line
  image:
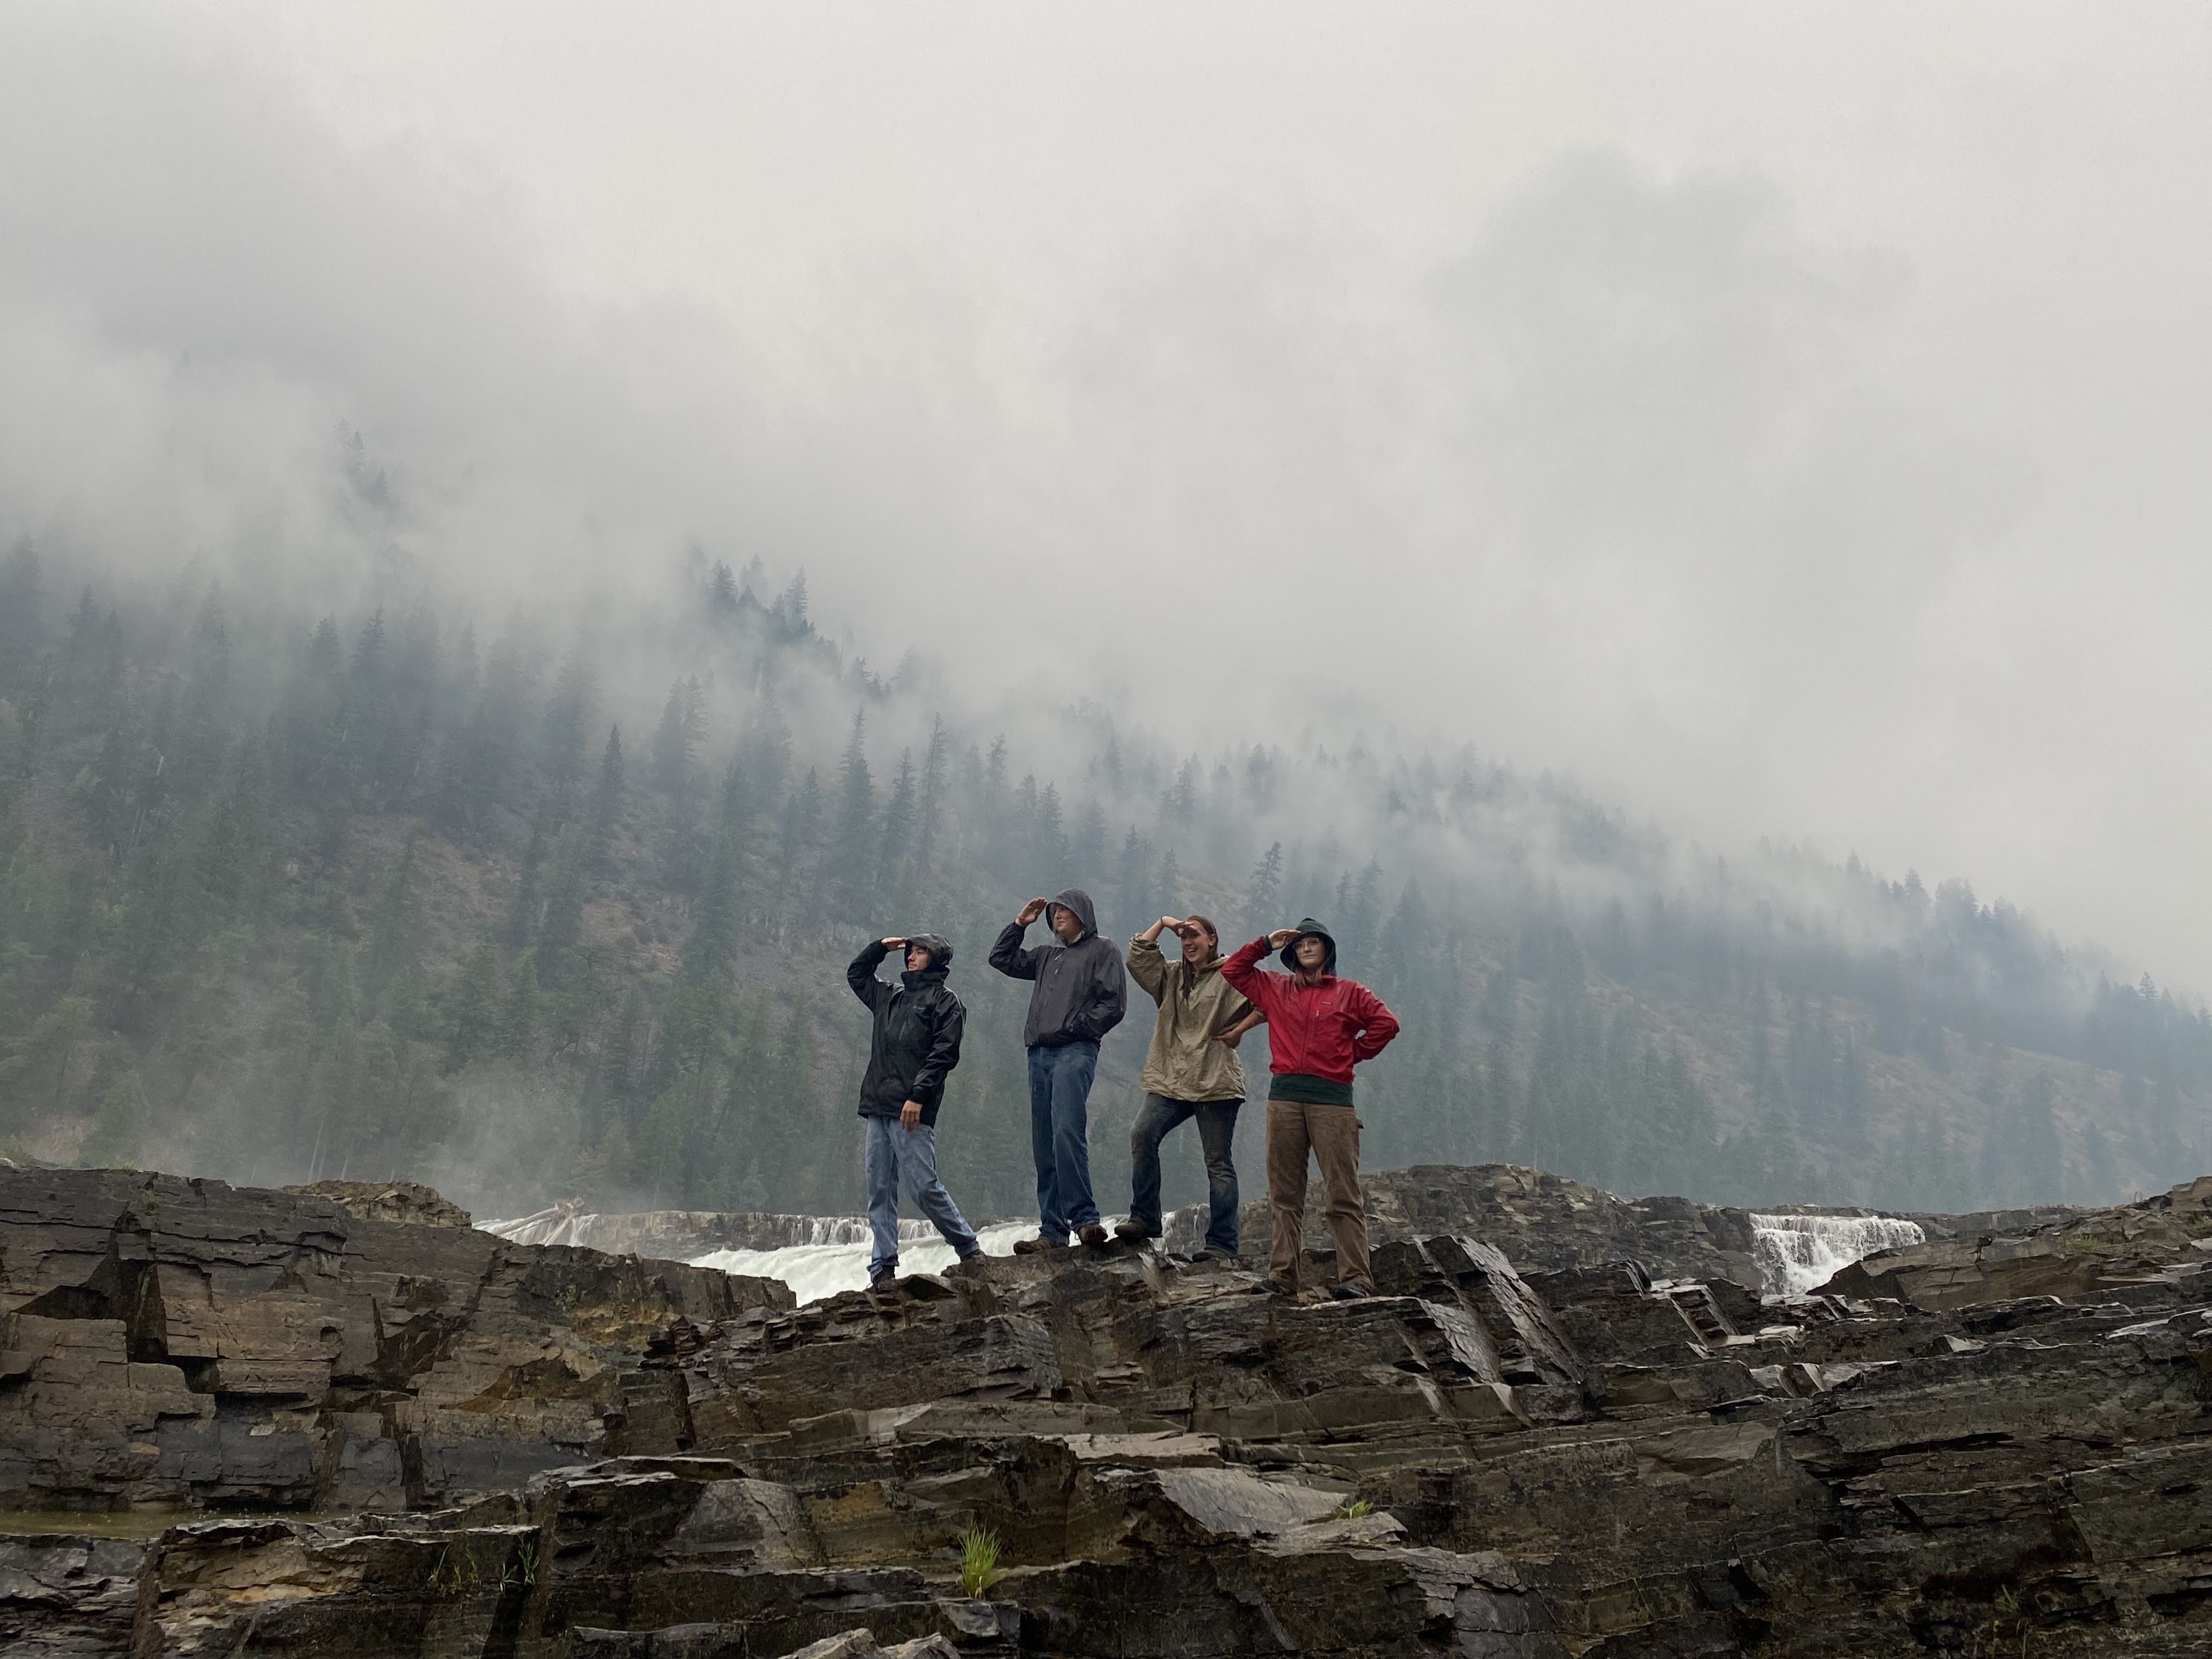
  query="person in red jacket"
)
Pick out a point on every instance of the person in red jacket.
point(1319, 1027)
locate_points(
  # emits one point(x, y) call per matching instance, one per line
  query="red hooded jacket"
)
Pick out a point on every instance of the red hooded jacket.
point(1322, 1029)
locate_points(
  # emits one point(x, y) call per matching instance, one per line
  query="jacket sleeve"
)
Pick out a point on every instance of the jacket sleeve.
point(1008, 957)
point(1235, 1011)
point(1252, 982)
point(862, 975)
point(944, 1053)
point(1148, 967)
point(1378, 1025)
point(1106, 999)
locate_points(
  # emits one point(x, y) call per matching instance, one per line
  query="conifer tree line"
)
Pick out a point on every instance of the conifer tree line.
point(287, 895)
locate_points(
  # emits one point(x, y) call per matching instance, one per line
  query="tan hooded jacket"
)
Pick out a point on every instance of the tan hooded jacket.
point(1184, 1062)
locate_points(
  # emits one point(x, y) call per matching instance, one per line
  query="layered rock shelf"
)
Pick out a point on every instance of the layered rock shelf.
point(345, 1423)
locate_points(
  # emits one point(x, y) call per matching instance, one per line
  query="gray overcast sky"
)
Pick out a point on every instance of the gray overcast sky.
point(1794, 421)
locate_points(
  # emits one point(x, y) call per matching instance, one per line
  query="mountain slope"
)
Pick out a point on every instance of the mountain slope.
point(282, 898)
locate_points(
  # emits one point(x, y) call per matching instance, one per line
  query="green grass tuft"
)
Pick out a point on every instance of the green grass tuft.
point(979, 1560)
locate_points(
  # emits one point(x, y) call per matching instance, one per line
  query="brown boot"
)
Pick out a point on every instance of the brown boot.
point(1094, 1235)
point(1038, 1246)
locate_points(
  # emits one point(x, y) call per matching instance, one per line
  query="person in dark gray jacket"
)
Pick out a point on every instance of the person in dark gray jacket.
point(1082, 991)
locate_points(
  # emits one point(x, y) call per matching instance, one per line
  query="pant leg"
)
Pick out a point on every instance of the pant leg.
point(880, 1163)
point(1052, 1222)
point(1336, 1146)
point(1156, 1119)
point(1077, 1064)
point(1216, 1137)
point(917, 1150)
point(1287, 1149)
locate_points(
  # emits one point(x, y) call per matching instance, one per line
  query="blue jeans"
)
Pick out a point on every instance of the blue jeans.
point(1059, 1137)
point(896, 1159)
point(1217, 1130)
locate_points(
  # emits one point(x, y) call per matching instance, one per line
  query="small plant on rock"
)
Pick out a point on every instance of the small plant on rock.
point(1355, 1508)
point(454, 1571)
point(979, 1560)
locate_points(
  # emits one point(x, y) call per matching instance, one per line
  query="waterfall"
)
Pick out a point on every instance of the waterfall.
point(562, 1224)
point(814, 1271)
point(682, 1235)
point(816, 1255)
point(1798, 1253)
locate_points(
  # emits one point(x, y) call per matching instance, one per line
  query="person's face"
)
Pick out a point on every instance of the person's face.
point(1312, 952)
point(917, 958)
point(1065, 923)
point(1198, 945)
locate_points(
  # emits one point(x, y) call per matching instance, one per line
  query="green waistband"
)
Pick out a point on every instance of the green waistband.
point(1308, 1090)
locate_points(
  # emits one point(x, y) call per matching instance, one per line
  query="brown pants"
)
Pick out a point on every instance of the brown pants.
point(1330, 1133)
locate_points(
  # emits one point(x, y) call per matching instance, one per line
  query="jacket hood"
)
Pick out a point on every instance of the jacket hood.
point(1309, 926)
point(1075, 899)
point(940, 948)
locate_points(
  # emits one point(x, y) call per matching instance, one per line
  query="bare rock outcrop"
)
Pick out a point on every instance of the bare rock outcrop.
point(1597, 1458)
point(166, 1341)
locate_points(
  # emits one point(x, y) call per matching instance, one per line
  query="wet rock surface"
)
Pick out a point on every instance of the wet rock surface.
point(166, 1341)
point(1492, 1456)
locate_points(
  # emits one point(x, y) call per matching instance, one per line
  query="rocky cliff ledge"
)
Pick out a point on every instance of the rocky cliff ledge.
point(428, 1441)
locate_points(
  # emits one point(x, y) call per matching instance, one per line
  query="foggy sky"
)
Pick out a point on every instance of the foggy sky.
point(1792, 421)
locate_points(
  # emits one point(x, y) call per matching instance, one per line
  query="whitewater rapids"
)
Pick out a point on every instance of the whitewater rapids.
point(829, 1254)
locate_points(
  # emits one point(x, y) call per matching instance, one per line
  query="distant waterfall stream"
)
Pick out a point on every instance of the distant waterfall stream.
point(1797, 1253)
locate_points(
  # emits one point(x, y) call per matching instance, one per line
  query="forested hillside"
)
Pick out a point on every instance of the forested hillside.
point(533, 909)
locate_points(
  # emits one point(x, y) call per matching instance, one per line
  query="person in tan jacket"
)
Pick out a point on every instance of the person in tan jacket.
point(1191, 1070)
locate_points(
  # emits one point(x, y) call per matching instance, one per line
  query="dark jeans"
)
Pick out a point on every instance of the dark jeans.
point(1060, 1136)
point(1217, 1130)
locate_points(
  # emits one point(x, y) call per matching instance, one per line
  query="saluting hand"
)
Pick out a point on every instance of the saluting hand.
point(1281, 937)
point(1031, 912)
point(892, 944)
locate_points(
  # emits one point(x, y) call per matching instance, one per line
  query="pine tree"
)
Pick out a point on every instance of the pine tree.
point(20, 596)
point(567, 717)
point(606, 807)
point(1263, 897)
point(394, 940)
point(722, 594)
point(675, 740)
point(561, 939)
point(1132, 883)
point(517, 1033)
point(853, 875)
point(474, 1001)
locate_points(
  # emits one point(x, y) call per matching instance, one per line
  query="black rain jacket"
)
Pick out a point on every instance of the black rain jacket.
point(917, 1037)
point(1082, 989)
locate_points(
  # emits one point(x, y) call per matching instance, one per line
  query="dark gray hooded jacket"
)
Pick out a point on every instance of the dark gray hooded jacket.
point(1082, 989)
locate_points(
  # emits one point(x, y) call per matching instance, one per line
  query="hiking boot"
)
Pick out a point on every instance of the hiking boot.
point(1093, 1235)
point(1134, 1230)
point(1213, 1253)
point(1276, 1287)
point(887, 1280)
point(1350, 1290)
point(1038, 1245)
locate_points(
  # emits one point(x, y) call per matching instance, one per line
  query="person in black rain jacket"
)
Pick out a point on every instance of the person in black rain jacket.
point(1082, 991)
point(913, 1048)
